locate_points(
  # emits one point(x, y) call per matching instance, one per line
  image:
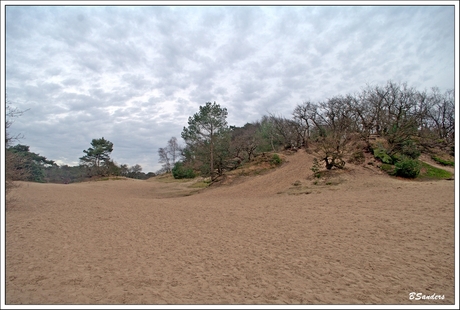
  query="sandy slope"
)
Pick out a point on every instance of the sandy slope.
point(371, 239)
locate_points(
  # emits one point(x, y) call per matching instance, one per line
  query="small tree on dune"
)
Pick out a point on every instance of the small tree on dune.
point(98, 156)
point(204, 129)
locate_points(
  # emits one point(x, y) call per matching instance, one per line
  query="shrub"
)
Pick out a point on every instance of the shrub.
point(381, 154)
point(397, 157)
point(276, 160)
point(410, 149)
point(407, 167)
point(181, 172)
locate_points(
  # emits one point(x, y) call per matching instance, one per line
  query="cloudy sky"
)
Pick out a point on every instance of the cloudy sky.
point(134, 74)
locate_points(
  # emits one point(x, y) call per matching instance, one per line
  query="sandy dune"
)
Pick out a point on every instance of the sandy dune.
point(366, 239)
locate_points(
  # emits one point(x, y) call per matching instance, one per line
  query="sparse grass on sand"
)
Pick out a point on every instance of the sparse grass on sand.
point(428, 172)
point(259, 165)
point(111, 179)
point(198, 182)
point(443, 161)
point(168, 178)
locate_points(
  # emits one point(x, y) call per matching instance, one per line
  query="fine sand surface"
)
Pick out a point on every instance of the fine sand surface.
point(365, 239)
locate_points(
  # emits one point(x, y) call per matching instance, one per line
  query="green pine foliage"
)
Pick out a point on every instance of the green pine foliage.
point(407, 167)
point(179, 171)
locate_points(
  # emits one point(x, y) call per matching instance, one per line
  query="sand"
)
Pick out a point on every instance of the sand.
point(366, 239)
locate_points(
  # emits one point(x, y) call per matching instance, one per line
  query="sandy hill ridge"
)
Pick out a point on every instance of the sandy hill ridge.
point(297, 167)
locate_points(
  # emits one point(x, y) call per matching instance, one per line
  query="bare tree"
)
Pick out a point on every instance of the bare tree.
point(135, 171)
point(303, 121)
point(400, 115)
point(442, 114)
point(286, 131)
point(164, 159)
point(244, 141)
point(13, 160)
point(11, 114)
point(124, 169)
point(174, 150)
point(336, 131)
point(169, 155)
point(395, 112)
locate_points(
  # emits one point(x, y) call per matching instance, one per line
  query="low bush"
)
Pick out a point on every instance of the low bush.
point(407, 167)
point(276, 160)
point(181, 172)
point(381, 154)
point(410, 149)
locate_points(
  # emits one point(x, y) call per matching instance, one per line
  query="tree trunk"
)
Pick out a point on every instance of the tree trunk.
point(329, 165)
point(212, 155)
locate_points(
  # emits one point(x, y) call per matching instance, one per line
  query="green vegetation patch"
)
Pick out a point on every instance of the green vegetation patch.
point(381, 154)
point(419, 170)
point(429, 172)
point(443, 161)
point(407, 167)
point(388, 168)
point(276, 159)
point(180, 171)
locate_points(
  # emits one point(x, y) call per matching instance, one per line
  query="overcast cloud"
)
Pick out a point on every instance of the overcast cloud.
point(134, 74)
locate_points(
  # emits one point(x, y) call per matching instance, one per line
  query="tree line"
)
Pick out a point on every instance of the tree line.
point(340, 128)
point(22, 164)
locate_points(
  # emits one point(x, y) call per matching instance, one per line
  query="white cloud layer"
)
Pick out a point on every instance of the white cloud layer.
point(134, 74)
